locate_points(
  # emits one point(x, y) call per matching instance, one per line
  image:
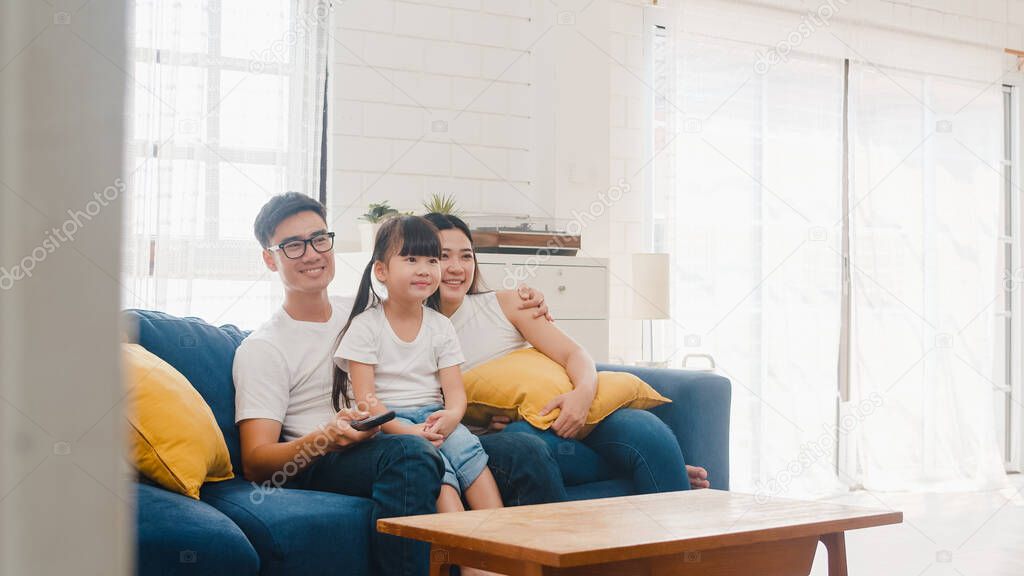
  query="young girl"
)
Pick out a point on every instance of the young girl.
point(400, 355)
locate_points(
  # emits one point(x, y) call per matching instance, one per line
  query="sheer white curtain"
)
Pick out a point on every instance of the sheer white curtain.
point(926, 192)
point(226, 111)
point(747, 196)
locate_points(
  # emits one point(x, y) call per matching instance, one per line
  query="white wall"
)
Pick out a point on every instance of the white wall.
point(432, 97)
point(565, 123)
point(64, 499)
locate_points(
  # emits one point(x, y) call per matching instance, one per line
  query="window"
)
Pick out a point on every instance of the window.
point(226, 112)
point(746, 185)
point(747, 189)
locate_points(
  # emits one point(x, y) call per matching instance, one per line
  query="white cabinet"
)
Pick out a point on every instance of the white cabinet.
point(575, 289)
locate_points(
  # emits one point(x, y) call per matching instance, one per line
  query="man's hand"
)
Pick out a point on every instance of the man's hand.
point(533, 298)
point(442, 422)
point(341, 434)
point(574, 408)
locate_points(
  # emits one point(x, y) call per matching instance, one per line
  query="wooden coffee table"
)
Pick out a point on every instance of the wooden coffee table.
point(702, 532)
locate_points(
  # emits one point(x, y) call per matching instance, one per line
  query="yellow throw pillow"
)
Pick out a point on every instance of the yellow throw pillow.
point(519, 384)
point(173, 435)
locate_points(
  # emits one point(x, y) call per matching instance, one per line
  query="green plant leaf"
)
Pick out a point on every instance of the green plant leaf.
point(442, 204)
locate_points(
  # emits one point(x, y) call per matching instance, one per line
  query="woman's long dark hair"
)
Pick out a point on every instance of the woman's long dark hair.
point(402, 236)
point(451, 222)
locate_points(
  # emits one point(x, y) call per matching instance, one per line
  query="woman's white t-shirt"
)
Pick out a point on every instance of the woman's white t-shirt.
point(484, 331)
point(405, 373)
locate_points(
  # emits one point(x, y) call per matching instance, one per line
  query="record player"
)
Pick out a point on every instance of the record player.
point(521, 234)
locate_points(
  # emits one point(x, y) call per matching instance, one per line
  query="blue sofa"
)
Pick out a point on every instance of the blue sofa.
point(234, 530)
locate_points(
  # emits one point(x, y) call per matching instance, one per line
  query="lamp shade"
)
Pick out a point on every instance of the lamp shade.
point(651, 287)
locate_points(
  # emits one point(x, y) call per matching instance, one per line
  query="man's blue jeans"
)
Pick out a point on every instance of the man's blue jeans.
point(631, 443)
point(402, 475)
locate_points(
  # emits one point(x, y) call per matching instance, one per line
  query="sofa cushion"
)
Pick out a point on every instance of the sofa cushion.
point(174, 437)
point(520, 384)
point(203, 353)
point(179, 535)
point(298, 531)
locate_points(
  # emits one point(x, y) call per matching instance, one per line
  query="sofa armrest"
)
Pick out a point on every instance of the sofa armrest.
point(698, 414)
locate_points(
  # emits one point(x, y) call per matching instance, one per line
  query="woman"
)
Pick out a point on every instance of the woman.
point(634, 443)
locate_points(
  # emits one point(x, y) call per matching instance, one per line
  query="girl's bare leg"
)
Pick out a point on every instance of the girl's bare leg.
point(449, 500)
point(483, 492)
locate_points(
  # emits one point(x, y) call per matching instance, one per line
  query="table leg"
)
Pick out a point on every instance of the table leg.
point(439, 562)
point(835, 544)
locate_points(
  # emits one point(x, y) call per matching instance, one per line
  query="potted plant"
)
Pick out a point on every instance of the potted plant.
point(377, 213)
point(442, 204)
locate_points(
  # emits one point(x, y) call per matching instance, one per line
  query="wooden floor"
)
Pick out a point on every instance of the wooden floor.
point(969, 534)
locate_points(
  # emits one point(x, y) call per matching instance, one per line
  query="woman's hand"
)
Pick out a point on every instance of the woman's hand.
point(442, 422)
point(533, 298)
point(574, 407)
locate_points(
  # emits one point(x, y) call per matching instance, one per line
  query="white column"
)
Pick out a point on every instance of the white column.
point(63, 498)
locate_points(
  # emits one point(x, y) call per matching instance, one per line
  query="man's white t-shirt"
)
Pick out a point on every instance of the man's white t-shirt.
point(405, 373)
point(283, 371)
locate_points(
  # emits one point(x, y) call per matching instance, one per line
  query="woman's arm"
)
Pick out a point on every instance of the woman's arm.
point(557, 345)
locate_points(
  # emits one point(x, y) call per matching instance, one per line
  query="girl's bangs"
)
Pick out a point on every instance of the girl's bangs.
point(419, 238)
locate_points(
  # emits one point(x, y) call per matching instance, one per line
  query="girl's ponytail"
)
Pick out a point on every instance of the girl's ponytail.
point(365, 297)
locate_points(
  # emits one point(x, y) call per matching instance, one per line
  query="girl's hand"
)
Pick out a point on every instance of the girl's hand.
point(574, 408)
point(533, 298)
point(421, 431)
point(498, 423)
point(442, 422)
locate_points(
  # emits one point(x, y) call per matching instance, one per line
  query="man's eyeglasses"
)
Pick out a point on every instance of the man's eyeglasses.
point(295, 249)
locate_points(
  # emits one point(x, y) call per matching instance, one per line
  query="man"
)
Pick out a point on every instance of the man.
point(291, 435)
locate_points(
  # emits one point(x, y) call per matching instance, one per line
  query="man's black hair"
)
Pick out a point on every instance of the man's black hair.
point(279, 208)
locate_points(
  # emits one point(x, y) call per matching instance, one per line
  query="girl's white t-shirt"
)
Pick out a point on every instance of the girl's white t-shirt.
point(405, 373)
point(283, 371)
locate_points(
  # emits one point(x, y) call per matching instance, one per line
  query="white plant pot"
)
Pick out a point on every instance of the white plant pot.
point(367, 234)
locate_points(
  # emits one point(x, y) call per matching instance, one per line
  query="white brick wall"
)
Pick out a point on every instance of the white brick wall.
point(431, 96)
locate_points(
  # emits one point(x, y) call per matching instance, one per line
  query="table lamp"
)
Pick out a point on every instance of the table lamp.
point(650, 296)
